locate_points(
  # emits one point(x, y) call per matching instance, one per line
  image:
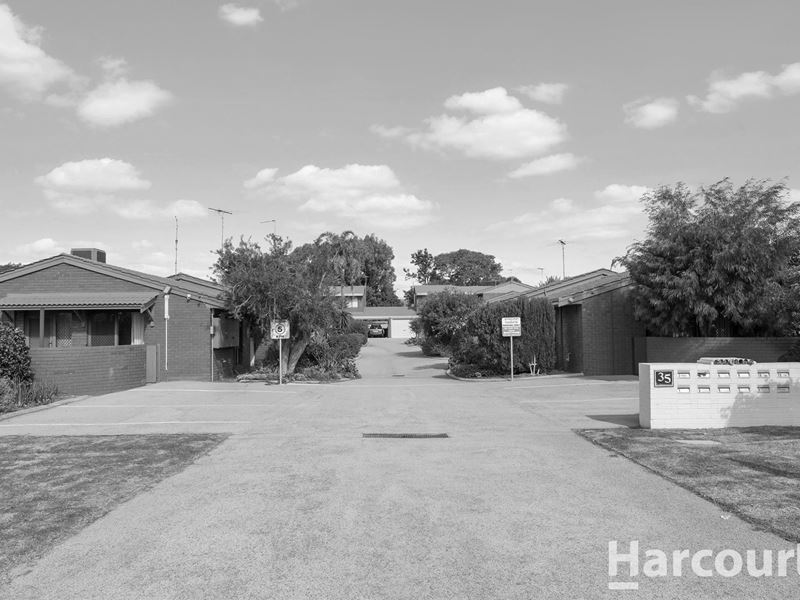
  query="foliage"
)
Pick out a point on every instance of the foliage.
point(347, 260)
point(9, 267)
point(15, 357)
point(718, 261)
point(467, 267)
point(425, 267)
point(460, 267)
point(442, 316)
point(480, 342)
point(15, 395)
point(278, 284)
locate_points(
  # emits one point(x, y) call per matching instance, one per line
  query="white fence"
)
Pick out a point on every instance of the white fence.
point(694, 396)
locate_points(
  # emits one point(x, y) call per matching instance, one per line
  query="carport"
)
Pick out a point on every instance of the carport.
point(397, 319)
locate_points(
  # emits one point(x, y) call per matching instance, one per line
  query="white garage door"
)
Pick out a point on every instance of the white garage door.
point(400, 328)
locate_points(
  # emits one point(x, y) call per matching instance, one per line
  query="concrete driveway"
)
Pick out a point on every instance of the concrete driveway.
point(297, 504)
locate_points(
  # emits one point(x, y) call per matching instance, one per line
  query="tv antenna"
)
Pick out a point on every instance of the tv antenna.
point(221, 214)
point(274, 225)
point(176, 244)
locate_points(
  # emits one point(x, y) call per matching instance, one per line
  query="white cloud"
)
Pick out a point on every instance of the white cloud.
point(121, 101)
point(618, 216)
point(263, 177)
point(390, 132)
point(724, 95)
point(622, 194)
point(368, 194)
point(550, 93)
point(113, 66)
point(651, 113)
point(794, 195)
point(100, 175)
point(186, 209)
point(25, 69)
point(489, 102)
point(546, 165)
point(87, 186)
point(287, 5)
point(240, 16)
point(502, 129)
point(37, 250)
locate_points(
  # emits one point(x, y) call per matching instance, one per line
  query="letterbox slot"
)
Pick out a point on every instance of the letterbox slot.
point(704, 389)
point(763, 389)
point(783, 389)
point(683, 374)
point(724, 389)
point(783, 373)
point(723, 374)
point(743, 374)
point(763, 374)
point(703, 374)
point(683, 389)
point(744, 388)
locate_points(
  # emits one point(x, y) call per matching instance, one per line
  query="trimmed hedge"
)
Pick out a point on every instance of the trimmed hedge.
point(481, 345)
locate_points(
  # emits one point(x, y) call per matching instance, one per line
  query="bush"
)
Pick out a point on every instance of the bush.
point(442, 317)
point(17, 395)
point(480, 342)
point(15, 357)
point(466, 371)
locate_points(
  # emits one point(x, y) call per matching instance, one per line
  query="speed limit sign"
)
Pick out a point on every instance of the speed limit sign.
point(279, 330)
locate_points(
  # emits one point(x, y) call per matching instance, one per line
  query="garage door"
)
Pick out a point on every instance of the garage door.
point(400, 328)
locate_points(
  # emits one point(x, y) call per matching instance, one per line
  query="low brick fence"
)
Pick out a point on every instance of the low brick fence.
point(691, 395)
point(90, 371)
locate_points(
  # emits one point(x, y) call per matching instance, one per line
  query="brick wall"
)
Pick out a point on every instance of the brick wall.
point(609, 330)
point(186, 354)
point(90, 371)
point(689, 349)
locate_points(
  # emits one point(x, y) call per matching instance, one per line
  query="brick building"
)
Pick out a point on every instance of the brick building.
point(596, 332)
point(95, 328)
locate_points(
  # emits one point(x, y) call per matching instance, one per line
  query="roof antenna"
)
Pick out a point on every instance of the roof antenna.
point(221, 214)
point(176, 244)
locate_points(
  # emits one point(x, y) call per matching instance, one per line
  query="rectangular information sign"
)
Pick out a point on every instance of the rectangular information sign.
point(512, 326)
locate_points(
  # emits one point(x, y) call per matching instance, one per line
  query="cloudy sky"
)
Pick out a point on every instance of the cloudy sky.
point(499, 126)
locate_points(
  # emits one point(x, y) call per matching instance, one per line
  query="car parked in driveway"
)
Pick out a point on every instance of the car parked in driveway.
point(375, 330)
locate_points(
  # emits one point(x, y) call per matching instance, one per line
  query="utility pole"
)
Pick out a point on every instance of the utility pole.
point(563, 263)
point(221, 214)
point(544, 281)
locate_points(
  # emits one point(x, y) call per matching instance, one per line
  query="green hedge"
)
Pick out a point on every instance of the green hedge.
point(15, 358)
point(481, 344)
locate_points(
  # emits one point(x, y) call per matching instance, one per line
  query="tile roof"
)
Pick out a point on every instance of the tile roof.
point(130, 300)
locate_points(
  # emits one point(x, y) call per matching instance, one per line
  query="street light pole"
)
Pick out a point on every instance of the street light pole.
point(563, 263)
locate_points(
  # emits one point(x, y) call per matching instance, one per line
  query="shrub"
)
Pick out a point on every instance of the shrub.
point(15, 357)
point(443, 316)
point(16, 395)
point(465, 370)
point(481, 343)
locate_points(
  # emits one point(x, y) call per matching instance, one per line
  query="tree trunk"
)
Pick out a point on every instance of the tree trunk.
point(292, 351)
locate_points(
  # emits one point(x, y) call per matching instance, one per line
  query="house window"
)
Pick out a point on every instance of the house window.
point(102, 329)
point(352, 302)
point(63, 329)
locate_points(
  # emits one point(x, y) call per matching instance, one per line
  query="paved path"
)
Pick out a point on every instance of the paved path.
point(297, 504)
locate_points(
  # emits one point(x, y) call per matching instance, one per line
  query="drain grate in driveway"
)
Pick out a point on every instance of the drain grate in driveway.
point(405, 435)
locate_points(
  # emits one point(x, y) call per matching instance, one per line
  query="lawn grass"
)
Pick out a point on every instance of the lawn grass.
point(52, 487)
point(753, 472)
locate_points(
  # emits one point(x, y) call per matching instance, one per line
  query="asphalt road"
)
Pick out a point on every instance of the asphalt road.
point(297, 504)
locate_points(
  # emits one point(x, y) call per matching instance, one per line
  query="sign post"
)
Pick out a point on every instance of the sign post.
point(279, 330)
point(512, 327)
